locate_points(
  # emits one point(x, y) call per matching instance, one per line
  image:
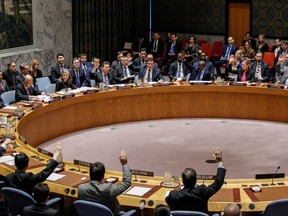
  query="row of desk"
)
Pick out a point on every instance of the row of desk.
point(139, 104)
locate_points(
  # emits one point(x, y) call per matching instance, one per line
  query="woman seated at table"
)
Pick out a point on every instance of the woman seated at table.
point(232, 67)
point(245, 73)
point(65, 82)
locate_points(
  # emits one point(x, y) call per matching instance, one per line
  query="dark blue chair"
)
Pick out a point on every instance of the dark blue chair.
point(188, 213)
point(88, 208)
point(276, 208)
point(17, 199)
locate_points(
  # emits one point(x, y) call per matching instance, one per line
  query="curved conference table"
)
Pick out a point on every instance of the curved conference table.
point(138, 104)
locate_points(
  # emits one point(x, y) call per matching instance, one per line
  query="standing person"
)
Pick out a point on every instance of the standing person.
point(3, 88)
point(105, 193)
point(193, 198)
point(157, 46)
point(58, 68)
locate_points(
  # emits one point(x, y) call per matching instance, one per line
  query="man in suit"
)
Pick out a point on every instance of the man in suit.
point(172, 49)
point(104, 74)
point(149, 73)
point(3, 88)
point(157, 46)
point(179, 69)
point(116, 62)
point(260, 69)
point(77, 74)
point(41, 195)
point(58, 68)
point(105, 193)
point(24, 70)
point(86, 66)
point(10, 74)
point(123, 73)
point(200, 73)
point(228, 50)
point(208, 65)
point(136, 62)
point(249, 38)
point(25, 90)
point(25, 181)
point(193, 198)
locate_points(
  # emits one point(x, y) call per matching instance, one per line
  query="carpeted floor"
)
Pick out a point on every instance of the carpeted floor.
point(249, 147)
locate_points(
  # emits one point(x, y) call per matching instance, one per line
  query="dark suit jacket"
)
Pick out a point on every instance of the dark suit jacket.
point(265, 72)
point(156, 73)
point(99, 78)
point(250, 76)
point(10, 78)
point(38, 209)
point(135, 66)
point(195, 198)
point(232, 52)
point(26, 180)
point(55, 72)
point(83, 80)
point(114, 65)
point(19, 79)
point(2, 151)
point(208, 66)
point(119, 74)
point(252, 42)
point(206, 75)
point(177, 48)
point(263, 49)
point(63, 85)
point(173, 69)
point(21, 93)
point(160, 49)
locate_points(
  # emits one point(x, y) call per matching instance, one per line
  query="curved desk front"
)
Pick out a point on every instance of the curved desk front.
point(138, 104)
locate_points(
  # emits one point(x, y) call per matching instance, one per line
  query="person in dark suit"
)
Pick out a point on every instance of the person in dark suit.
point(208, 65)
point(116, 62)
point(41, 195)
point(3, 88)
point(64, 82)
point(25, 90)
point(249, 38)
point(123, 73)
point(77, 74)
point(104, 75)
point(228, 50)
point(260, 69)
point(24, 70)
point(200, 73)
point(149, 73)
point(157, 46)
point(179, 69)
point(136, 62)
point(10, 74)
point(261, 46)
point(172, 49)
point(25, 181)
point(58, 68)
point(105, 193)
point(86, 66)
point(245, 73)
point(193, 198)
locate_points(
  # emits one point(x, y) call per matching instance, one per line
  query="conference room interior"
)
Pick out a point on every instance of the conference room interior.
point(101, 28)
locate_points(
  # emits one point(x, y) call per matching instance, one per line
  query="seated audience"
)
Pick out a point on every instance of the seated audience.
point(96, 67)
point(105, 193)
point(25, 91)
point(104, 75)
point(116, 62)
point(58, 68)
point(277, 47)
point(41, 195)
point(35, 72)
point(261, 45)
point(64, 82)
point(248, 52)
point(260, 69)
point(172, 49)
point(10, 74)
point(191, 49)
point(161, 210)
point(86, 66)
point(249, 38)
point(136, 62)
point(282, 52)
point(25, 181)
point(232, 210)
point(77, 74)
point(194, 198)
point(149, 73)
point(179, 69)
point(3, 88)
point(281, 76)
point(245, 73)
point(24, 70)
point(157, 46)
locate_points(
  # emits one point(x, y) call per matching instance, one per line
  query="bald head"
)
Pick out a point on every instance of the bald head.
point(232, 210)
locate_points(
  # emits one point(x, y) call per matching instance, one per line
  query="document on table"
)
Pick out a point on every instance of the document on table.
point(6, 158)
point(55, 177)
point(138, 191)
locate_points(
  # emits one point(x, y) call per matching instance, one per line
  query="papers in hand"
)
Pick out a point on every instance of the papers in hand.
point(11, 107)
point(8, 159)
point(137, 191)
point(55, 177)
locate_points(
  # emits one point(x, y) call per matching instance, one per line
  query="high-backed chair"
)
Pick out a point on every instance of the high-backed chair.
point(269, 58)
point(206, 48)
point(217, 48)
point(8, 97)
point(50, 88)
point(276, 208)
point(88, 208)
point(18, 199)
point(42, 82)
point(188, 213)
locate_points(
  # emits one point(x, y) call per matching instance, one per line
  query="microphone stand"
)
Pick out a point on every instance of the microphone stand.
point(272, 183)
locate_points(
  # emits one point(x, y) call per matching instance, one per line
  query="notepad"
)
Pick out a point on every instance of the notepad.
point(138, 191)
point(55, 177)
point(6, 158)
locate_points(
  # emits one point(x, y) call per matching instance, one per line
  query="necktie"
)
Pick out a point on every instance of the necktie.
point(172, 48)
point(61, 68)
point(78, 84)
point(227, 54)
point(258, 69)
point(125, 72)
point(179, 70)
point(149, 76)
point(155, 46)
point(200, 75)
point(28, 93)
point(106, 79)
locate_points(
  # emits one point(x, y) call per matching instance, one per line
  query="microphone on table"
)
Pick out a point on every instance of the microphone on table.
point(142, 205)
point(14, 146)
point(274, 176)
